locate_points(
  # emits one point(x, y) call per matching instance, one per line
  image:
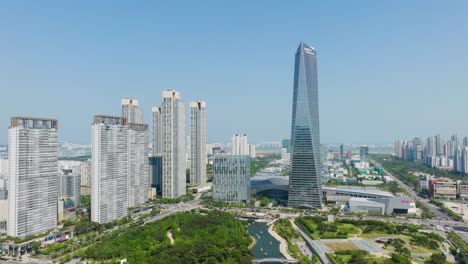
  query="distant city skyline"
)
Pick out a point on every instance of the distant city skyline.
point(379, 63)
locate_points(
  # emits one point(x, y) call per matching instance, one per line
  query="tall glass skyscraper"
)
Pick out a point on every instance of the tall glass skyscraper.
point(304, 180)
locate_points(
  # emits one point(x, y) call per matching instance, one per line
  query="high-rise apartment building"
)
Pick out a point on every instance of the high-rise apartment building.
point(156, 159)
point(439, 145)
point(33, 182)
point(252, 151)
point(398, 148)
point(457, 159)
point(239, 145)
point(85, 172)
point(418, 151)
point(305, 179)
point(464, 160)
point(198, 156)
point(157, 131)
point(131, 111)
point(109, 162)
point(173, 145)
point(231, 178)
point(138, 164)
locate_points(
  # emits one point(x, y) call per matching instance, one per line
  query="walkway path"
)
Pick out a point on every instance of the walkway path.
point(169, 235)
point(283, 242)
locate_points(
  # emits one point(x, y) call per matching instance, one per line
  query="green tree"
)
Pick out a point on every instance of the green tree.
point(438, 258)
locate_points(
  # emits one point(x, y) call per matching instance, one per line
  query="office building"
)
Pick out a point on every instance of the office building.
point(462, 189)
point(156, 173)
point(33, 183)
point(444, 189)
point(239, 145)
point(109, 162)
point(285, 143)
point(305, 179)
point(69, 186)
point(173, 145)
point(198, 155)
point(341, 152)
point(231, 178)
point(131, 111)
point(364, 153)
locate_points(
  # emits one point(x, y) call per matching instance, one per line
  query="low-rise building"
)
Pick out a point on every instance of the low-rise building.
point(445, 189)
point(344, 193)
point(388, 206)
point(463, 189)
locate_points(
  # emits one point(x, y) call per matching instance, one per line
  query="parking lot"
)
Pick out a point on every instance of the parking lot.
point(459, 208)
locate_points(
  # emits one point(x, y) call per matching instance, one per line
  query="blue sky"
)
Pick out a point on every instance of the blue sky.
point(387, 69)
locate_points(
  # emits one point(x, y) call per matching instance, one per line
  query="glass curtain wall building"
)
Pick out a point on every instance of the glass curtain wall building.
point(304, 180)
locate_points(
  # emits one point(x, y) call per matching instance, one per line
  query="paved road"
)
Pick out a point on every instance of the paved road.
point(439, 215)
point(172, 209)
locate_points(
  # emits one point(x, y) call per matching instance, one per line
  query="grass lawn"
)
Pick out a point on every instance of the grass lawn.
point(376, 260)
point(349, 228)
point(344, 258)
point(374, 234)
point(341, 246)
point(418, 249)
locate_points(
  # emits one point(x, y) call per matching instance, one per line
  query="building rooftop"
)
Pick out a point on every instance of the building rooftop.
point(358, 189)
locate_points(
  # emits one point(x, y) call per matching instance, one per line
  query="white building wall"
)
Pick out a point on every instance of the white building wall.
point(131, 111)
point(239, 145)
point(173, 145)
point(138, 167)
point(198, 155)
point(109, 197)
point(85, 172)
point(33, 185)
point(157, 131)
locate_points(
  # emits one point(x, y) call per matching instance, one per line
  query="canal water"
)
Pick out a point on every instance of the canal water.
point(266, 245)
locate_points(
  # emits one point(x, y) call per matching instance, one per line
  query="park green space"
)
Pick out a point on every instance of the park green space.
point(403, 239)
point(285, 229)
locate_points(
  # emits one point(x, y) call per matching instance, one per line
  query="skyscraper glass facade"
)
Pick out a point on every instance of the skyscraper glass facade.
point(304, 181)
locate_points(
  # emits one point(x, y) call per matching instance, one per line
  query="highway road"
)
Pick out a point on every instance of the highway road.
point(439, 215)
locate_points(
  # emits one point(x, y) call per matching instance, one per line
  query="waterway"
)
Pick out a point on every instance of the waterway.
point(266, 245)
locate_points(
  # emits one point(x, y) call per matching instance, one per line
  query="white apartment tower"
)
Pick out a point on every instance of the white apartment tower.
point(198, 158)
point(252, 151)
point(157, 131)
point(173, 145)
point(33, 176)
point(85, 172)
point(239, 145)
point(131, 111)
point(109, 163)
point(138, 164)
